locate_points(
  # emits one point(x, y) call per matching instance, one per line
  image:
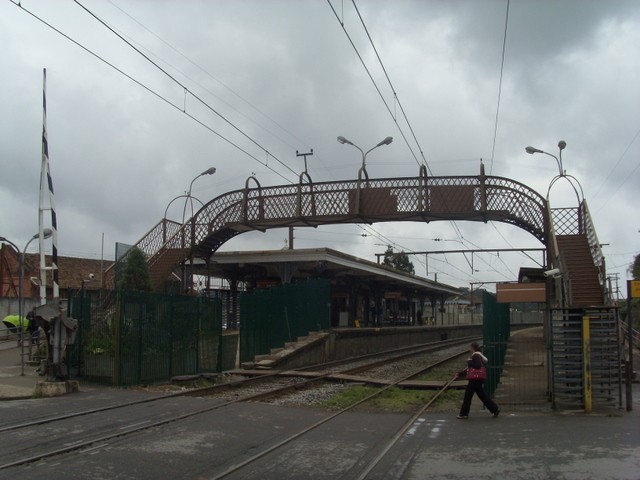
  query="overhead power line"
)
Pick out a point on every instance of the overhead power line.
point(186, 89)
point(635, 137)
point(373, 81)
point(395, 94)
point(147, 88)
point(170, 103)
point(218, 81)
point(495, 129)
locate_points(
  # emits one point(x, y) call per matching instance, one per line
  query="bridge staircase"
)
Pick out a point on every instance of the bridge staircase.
point(581, 292)
point(584, 288)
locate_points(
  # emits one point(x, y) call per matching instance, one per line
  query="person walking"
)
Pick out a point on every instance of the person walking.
point(476, 374)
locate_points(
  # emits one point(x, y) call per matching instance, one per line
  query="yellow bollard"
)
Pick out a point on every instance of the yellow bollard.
point(586, 364)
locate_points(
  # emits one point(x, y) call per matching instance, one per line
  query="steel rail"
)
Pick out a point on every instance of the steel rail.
point(82, 444)
point(234, 384)
point(400, 433)
point(286, 441)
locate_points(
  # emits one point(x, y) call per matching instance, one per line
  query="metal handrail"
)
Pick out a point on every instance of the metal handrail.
point(477, 198)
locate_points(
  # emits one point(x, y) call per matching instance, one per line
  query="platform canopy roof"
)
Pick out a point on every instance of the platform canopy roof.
point(287, 264)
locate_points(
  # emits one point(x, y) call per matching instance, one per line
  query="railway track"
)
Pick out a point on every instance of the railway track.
point(64, 434)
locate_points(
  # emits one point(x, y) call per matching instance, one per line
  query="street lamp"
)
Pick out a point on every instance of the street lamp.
point(188, 199)
point(209, 171)
point(386, 141)
point(561, 146)
point(575, 184)
point(187, 196)
point(46, 233)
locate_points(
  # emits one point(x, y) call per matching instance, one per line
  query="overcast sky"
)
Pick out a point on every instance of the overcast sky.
point(285, 77)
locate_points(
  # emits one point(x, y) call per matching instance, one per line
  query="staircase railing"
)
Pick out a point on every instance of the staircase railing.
point(556, 259)
point(589, 230)
point(577, 221)
point(150, 244)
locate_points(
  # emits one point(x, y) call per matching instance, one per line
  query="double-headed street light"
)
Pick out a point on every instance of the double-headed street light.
point(575, 184)
point(46, 233)
point(561, 146)
point(343, 140)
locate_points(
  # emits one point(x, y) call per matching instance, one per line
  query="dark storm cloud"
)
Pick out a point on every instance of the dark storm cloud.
point(285, 74)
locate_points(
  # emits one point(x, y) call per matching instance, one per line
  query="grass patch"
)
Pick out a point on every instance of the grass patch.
point(393, 399)
point(443, 373)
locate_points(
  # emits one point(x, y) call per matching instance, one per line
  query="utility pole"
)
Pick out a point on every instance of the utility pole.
point(310, 154)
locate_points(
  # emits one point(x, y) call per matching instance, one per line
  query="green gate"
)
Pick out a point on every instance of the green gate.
point(496, 328)
point(145, 337)
point(270, 318)
point(161, 336)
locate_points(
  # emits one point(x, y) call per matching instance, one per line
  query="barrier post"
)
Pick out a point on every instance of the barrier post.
point(586, 364)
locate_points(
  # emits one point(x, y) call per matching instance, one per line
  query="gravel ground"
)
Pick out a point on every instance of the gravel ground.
point(315, 396)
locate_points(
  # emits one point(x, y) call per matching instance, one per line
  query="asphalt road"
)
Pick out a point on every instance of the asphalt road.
point(562, 446)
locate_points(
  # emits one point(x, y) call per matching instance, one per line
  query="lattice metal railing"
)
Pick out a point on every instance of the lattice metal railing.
point(577, 221)
point(412, 198)
point(421, 198)
point(566, 220)
point(594, 246)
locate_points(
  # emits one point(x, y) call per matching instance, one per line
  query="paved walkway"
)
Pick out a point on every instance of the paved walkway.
point(13, 383)
point(523, 384)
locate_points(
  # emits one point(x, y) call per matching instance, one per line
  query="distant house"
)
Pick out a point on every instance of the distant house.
point(72, 272)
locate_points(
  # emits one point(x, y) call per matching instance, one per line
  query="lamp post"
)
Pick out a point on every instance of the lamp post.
point(187, 196)
point(363, 169)
point(561, 146)
point(46, 233)
point(209, 171)
point(188, 199)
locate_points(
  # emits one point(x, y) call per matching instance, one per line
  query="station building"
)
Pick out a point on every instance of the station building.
point(362, 293)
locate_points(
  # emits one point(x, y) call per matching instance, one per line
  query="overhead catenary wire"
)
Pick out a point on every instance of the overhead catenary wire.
point(225, 86)
point(181, 107)
point(186, 89)
point(384, 101)
point(504, 47)
point(603, 182)
point(395, 94)
point(218, 81)
point(167, 101)
point(147, 88)
point(380, 93)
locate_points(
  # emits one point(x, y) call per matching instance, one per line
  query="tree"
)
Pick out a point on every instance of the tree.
point(634, 268)
point(135, 276)
point(399, 261)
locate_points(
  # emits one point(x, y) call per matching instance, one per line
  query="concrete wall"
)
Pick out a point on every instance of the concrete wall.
point(345, 343)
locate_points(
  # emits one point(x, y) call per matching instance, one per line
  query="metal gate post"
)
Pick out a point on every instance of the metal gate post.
point(586, 364)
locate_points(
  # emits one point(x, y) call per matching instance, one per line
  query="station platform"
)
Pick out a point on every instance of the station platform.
point(523, 383)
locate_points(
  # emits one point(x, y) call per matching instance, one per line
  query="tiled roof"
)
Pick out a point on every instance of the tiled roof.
point(71, 271)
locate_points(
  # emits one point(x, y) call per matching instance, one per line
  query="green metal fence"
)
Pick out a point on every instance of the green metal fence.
point(496, 329)
point(270, 318)
point(92, 354)
point(145, 337)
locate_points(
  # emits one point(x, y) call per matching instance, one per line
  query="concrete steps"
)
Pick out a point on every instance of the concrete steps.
point(278, 355)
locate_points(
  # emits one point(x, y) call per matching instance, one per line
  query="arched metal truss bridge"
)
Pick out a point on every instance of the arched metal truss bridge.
point(306, 204)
